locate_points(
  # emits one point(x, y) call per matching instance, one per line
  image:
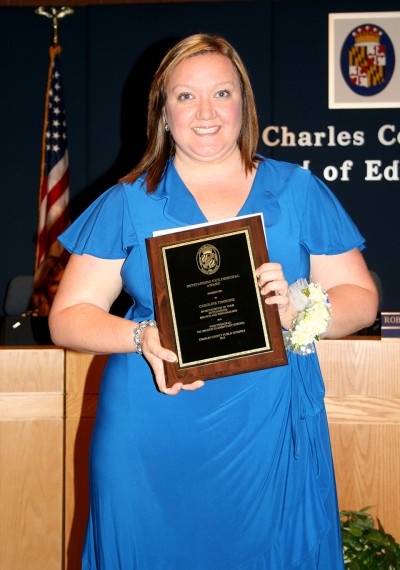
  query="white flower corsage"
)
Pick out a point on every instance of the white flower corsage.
point(313, 316)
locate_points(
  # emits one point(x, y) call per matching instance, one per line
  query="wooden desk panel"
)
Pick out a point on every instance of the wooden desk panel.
point(40, 421)
point(362, 379)
point(32, 458)
point(360, 366)
point(39, 369)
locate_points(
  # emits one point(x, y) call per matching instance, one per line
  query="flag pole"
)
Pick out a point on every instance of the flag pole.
point(53, 210)
point(55, 14)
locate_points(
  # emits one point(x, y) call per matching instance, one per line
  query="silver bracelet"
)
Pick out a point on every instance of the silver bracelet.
point(138, 331)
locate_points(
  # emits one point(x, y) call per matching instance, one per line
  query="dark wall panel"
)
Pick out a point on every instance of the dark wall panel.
point(300, 102)
point(109, 56)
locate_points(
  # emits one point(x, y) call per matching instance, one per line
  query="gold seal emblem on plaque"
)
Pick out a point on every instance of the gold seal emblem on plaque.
point(208, 259)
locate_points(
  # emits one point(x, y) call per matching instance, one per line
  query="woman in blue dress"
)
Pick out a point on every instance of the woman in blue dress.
point(234, 473)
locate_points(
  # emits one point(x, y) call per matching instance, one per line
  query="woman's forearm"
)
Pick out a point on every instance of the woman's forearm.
point(88, 328)
point(353, 308)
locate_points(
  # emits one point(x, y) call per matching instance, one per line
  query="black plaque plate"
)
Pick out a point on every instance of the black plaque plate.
point(207, 302)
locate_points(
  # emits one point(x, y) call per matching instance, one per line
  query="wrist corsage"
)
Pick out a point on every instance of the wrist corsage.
point(313, 316)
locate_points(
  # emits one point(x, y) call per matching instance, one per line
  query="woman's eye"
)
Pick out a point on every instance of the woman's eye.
point(184, 97)
point(223, 93)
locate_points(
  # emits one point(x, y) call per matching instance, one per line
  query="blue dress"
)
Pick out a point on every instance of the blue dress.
point(237, 475)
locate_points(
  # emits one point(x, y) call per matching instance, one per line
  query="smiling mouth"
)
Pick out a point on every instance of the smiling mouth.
point(205, 131)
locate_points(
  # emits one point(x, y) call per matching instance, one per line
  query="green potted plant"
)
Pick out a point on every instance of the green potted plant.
point(364, 545)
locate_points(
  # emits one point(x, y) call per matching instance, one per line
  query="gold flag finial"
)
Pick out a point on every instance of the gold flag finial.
point(55, 14)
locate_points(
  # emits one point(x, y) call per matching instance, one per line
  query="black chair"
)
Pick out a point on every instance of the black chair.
point(18, 295)
point(18, 330)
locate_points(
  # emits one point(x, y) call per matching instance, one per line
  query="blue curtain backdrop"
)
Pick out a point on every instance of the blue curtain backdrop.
point(109, 56)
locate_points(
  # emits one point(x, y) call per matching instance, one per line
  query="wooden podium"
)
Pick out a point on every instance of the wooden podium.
point(362, 379)
point(32, 458)
point(48, 400)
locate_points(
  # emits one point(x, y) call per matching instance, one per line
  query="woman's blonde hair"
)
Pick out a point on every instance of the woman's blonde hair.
point(160, 145)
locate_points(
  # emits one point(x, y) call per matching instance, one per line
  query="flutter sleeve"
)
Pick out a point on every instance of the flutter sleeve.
point(326, 227)
point(104, 229)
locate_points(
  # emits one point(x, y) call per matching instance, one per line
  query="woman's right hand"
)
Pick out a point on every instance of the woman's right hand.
point(155, 354)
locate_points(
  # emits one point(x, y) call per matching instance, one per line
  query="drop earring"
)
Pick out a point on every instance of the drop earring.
point(166, 127)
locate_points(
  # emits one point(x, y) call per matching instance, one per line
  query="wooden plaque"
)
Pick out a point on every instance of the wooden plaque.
point(208, 306)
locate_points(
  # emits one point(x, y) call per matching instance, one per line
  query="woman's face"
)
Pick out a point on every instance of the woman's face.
point(204, 108)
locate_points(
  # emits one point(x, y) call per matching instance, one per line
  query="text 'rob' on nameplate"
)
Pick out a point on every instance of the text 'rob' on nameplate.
point(207, 302)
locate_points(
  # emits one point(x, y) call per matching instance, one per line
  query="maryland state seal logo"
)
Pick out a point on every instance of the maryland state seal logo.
point(367, 60)
point(208, 259)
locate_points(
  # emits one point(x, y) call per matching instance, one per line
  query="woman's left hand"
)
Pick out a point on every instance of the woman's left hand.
point(275, 288)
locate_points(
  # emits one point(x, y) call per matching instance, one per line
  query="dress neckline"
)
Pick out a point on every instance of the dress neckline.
point(184, 194)
point(182, 209)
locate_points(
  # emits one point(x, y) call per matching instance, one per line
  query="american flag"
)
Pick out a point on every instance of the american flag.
point(54, 179)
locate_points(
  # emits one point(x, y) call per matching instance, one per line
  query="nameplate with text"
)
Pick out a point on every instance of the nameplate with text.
point(390, 325)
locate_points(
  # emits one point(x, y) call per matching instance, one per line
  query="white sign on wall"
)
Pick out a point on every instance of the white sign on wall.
point(363, 49)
